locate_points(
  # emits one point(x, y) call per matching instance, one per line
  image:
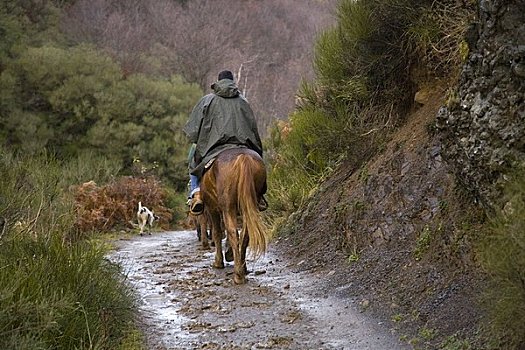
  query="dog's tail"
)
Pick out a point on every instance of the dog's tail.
point(141, 208)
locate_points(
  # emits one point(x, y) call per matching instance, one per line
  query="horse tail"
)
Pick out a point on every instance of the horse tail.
point(247, 204)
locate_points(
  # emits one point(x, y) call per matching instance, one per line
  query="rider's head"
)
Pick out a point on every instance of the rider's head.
point(225, 74)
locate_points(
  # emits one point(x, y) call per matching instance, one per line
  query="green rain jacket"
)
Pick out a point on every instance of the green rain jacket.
point(219, 121)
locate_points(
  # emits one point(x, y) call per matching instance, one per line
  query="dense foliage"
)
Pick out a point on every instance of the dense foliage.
point(72, 99)
point(87, 92)
point(57, 291)
point(267, 44)
point(56, 296)
point(368, 68)
point(69, 99)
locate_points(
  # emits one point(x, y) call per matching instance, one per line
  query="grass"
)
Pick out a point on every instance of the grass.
point(353, 257)
point(362, 87)
point(397, 318)
point(57, 290)
point(423, 242)
point(59, 295)
point(502, 255)
point(455, 343)
point(427, 333)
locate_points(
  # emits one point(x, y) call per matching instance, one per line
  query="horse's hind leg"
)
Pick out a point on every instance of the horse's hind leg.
point(244, 247)
point(216, 234)
point(239, 273)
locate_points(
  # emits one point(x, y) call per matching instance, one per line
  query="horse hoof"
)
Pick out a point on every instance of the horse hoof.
point(239, 280)
point(218, 266)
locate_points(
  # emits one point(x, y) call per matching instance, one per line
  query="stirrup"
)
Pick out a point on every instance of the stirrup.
point(196, 206)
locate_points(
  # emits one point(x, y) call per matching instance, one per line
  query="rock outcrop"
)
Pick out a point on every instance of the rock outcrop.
point(483, 126)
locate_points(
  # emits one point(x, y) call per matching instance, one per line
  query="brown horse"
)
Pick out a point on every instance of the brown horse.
point(231, 189)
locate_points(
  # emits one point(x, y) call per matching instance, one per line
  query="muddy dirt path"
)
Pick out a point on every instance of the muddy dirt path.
point(187, 304)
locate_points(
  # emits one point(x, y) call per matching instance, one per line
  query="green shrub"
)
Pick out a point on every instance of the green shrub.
point(502, 254)
point(364, 81)
point(25, 23)
point(337, 61)
point(56, 291)
point(177, 202)
point(311, 146)
point(75, 99)
point(363, 58)
point(298, 161)
point(60, 296)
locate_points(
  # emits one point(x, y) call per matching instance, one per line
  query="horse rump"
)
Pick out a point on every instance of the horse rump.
point(231, 190)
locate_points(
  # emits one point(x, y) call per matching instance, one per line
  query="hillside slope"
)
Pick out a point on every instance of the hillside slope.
point(394, 236)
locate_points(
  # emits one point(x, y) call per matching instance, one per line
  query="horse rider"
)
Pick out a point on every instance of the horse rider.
point(220, 120)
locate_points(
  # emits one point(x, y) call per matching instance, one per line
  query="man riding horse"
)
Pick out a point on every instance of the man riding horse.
point(220, 120)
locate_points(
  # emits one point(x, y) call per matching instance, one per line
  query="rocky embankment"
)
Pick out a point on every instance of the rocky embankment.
point(483, 124)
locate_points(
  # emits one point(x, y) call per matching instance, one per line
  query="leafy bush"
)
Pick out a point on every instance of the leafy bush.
point(502, 254)
point(373, 52)
point(72, 99)
point(306, 150)
point(362, 58)
point(337, 54)
point(177, 202)
point(24, 23)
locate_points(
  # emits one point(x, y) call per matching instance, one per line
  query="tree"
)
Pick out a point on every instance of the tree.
point(69, 100)
point(267, 44)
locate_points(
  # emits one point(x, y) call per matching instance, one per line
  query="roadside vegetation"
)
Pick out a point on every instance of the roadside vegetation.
point(502, 255)
point(368, 68)
point(93, 97)
point(57, 289)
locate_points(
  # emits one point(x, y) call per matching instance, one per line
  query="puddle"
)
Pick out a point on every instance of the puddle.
point(139, 261)
point(187, 304)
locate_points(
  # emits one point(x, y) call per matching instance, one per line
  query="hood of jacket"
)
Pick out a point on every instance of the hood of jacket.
point(225, 88)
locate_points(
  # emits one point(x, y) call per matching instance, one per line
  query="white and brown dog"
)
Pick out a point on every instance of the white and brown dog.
point(145, 217)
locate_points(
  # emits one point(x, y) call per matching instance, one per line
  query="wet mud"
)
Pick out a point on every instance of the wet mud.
point(185, 303)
